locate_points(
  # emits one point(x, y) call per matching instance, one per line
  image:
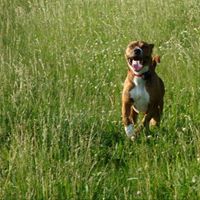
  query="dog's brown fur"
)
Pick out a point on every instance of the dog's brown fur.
point(153, 84)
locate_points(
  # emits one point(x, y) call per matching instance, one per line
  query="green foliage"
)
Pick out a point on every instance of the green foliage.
point(62, 69)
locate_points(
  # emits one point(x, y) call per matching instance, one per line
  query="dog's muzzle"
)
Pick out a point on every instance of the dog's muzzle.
point(138, 53)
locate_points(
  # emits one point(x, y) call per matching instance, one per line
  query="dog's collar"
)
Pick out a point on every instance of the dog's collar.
point(146, 75)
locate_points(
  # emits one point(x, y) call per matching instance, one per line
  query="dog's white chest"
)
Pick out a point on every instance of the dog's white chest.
point(139, 95)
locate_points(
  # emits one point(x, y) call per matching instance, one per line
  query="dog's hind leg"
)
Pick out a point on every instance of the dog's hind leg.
point(155, 120)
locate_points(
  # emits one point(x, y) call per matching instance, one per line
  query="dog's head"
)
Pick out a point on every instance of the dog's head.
point(139, 56)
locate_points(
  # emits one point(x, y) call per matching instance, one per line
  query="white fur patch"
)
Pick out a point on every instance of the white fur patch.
point(129, 130)
point(139, 95)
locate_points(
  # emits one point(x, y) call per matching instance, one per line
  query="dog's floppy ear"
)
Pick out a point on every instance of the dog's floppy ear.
point(151, 46)
point(155, 61)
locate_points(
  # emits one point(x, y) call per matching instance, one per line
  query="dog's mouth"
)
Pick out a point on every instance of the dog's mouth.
point(136, 65)
point(136, 61)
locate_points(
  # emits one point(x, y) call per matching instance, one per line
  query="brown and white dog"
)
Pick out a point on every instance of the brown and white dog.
point(143, 89)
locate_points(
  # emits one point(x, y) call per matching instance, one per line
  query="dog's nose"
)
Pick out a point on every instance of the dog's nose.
point(138, 51)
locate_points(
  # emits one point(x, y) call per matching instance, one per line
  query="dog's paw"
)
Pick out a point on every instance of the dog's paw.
point(129, 130)
point(133, 138)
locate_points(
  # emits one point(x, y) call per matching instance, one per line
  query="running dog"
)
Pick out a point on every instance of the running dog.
point(143, 90)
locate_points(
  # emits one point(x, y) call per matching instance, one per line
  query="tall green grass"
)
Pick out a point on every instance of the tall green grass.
point(61, 71)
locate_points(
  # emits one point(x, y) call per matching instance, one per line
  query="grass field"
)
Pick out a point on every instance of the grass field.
point(62, 68)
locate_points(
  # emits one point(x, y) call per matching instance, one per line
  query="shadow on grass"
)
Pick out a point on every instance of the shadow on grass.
point(109, 149)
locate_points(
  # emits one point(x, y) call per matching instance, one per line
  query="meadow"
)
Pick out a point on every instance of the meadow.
point(62, 69)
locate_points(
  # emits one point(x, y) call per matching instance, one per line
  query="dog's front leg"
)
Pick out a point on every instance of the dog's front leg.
point(126, 112)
